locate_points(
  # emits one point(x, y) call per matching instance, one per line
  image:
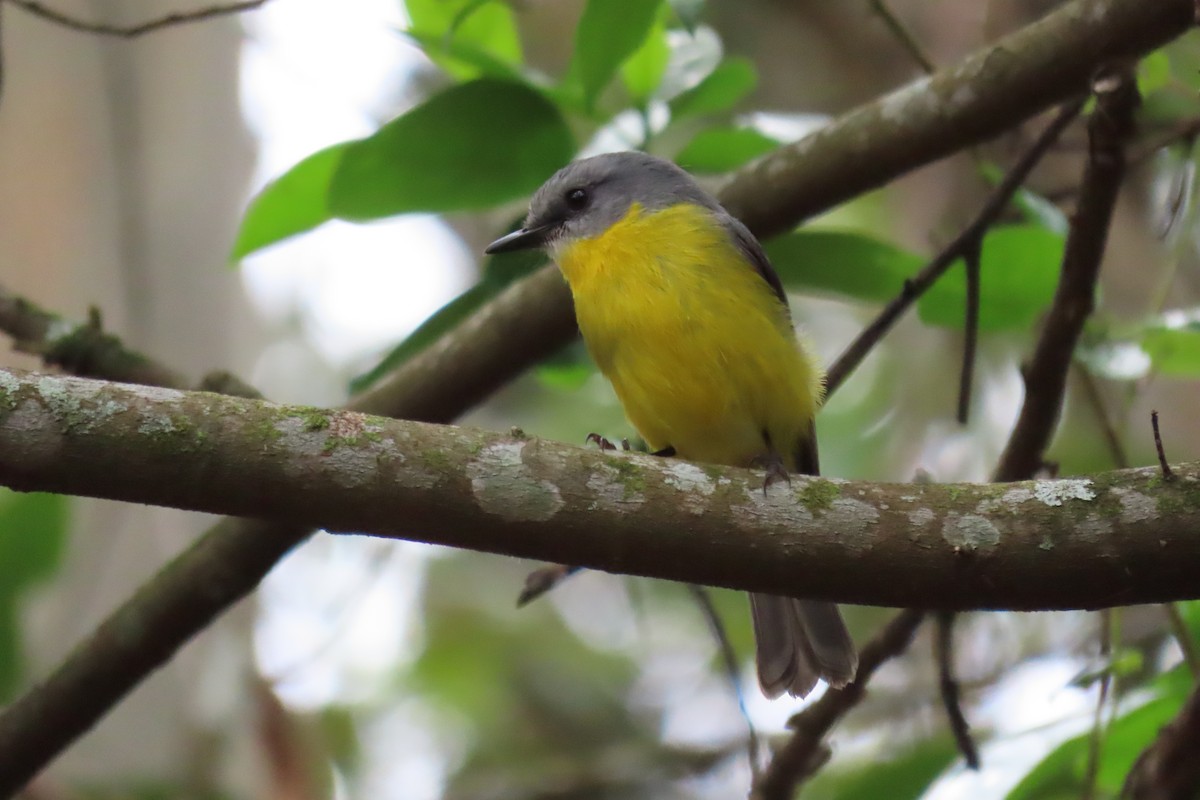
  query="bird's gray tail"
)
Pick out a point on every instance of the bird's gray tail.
point(799, 641)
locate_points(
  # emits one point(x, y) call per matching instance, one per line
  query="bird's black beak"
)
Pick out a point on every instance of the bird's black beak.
point(520, 239)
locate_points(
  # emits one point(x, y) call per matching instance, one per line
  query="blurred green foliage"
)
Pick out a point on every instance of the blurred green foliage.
point(33, 531)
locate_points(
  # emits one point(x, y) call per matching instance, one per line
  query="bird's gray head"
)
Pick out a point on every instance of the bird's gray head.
point(587, 197)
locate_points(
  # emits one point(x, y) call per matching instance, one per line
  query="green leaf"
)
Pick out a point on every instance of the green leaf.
point(33, 532)
point(609, 32)
point(1062, 770)
point(293, 203)
point(1019, 269)
point(1174, 352)
point(451, 28)
point(1153, 72)
point(472, 146)
point(724, 149)
point(842, 262)
point(1190, 611)
point(447, 50)
point(499, 271)
point(902, 774)
point(643, 71)
point(718, 92)
point(568, 369)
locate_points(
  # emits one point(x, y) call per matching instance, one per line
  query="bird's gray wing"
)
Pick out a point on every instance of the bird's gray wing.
point(752, 249)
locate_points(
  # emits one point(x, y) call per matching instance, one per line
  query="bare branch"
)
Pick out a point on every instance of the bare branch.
point(903, 36)
point(43, 11)
point(965, 242)
point(943, 650)
point(1046, 377)
point(1163, 464)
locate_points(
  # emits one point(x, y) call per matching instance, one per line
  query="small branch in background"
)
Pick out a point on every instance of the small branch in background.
point(42, 11)
point(1167, 474)
point(971, 256)
point(1116, 448)
point(917, 285)
point(1178, 199)
point(1168, 769)
point(1046, 376)
point(1183, 636)
point(943, 652)
point(542, 580)
point(82, 349)
point(1096, 740)
point(805, 752)
point(729, 661)
point(903, 36)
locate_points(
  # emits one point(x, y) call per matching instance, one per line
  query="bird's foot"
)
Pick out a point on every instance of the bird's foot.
point(605, 444)
point(776, 471)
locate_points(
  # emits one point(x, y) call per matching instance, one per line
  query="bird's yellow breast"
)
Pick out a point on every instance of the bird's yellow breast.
point(698, 347)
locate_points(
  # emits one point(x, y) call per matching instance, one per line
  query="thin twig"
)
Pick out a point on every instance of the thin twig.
point(943, 651)
point(902, 34)
point(1096, 740)
point(1183, 637)
point(971, 258)
point(729, 661)
point(542, 580)
point(1167, 474)
point(1116, 448)
point(917, 285)
point(805, 751)
point(132, 31)
point(1046, 376)
point(83, 349)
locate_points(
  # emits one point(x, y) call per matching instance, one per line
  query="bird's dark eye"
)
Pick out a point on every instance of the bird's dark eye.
point(577, 199)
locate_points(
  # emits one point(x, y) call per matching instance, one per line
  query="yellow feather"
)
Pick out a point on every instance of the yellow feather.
point(700, 350)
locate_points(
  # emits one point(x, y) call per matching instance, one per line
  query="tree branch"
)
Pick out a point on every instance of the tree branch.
point(1115, 538)
point(990, 91)
point(43, 11)
point(1046, 377)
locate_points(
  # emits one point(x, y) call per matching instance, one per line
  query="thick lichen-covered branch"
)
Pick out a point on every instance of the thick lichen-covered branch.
point(1114, 538)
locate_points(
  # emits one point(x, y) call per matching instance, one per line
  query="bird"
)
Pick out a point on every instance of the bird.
point(683, 313)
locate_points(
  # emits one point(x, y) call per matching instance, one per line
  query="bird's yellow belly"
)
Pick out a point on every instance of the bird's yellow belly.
point(697, 346)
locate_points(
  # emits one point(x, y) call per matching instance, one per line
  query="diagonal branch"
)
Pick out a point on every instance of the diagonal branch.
point(43, 11)
point(1046, 377)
